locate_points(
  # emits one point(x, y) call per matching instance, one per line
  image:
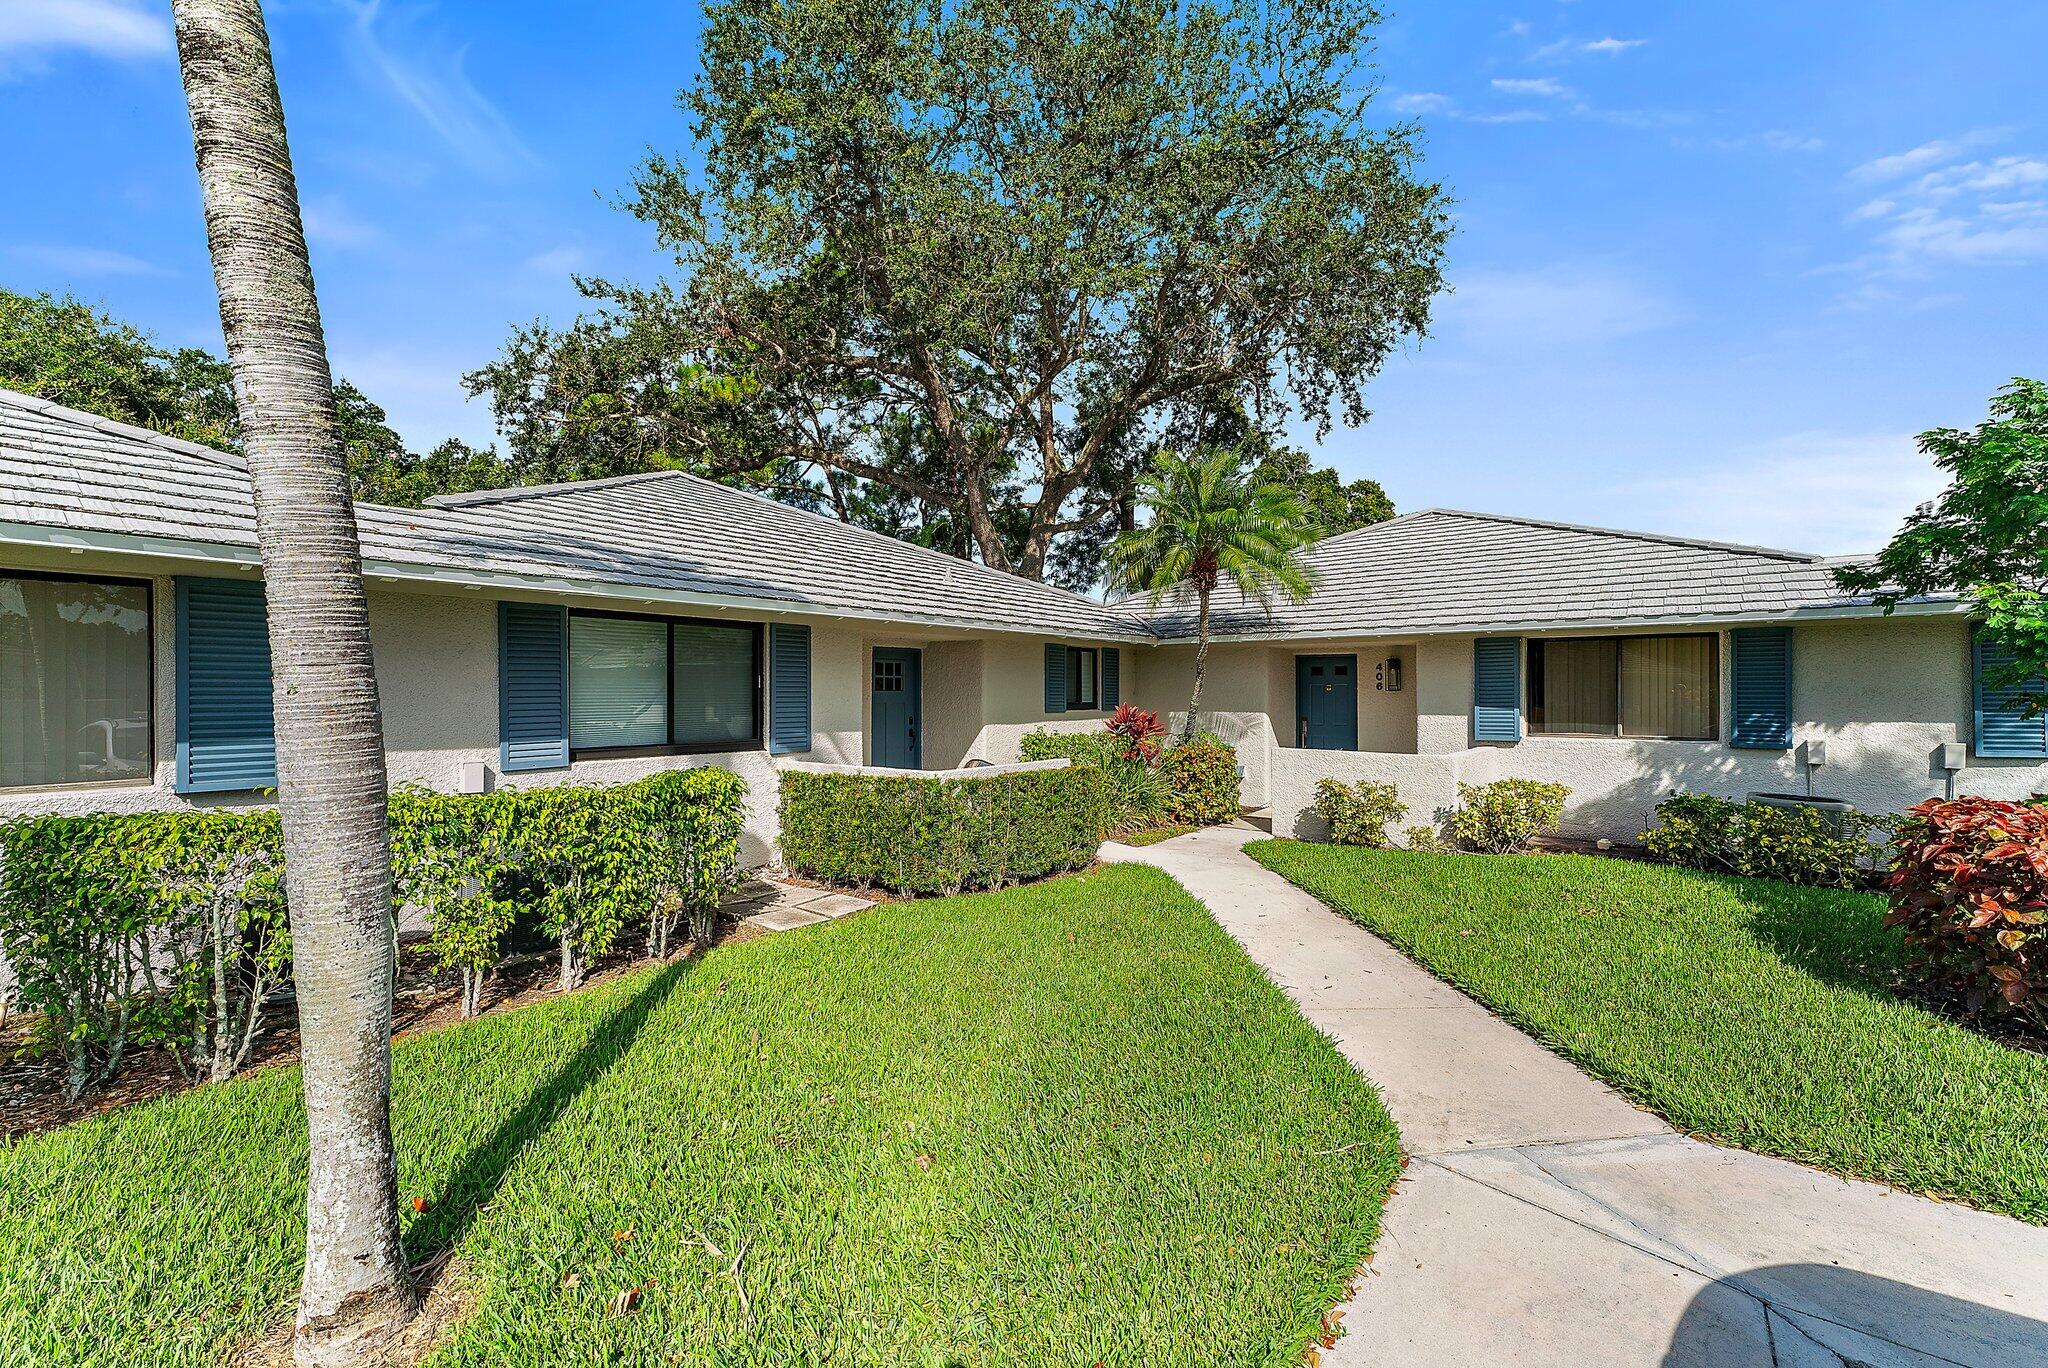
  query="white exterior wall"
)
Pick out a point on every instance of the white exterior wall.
point(1884, 695)
point(1013, 694)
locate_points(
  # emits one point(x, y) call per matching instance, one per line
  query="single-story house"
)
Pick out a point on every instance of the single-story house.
point(601, 630)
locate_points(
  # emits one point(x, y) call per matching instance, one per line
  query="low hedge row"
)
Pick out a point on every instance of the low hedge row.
point(1148, 783)
point(170, 928)
point(1762, 840)
point(912, 834)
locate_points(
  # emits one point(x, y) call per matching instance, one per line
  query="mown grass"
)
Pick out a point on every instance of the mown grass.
point(1069, 1123)
point(1746, 1010)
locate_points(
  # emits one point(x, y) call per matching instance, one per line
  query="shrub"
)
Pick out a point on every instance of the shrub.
point(1134, 790)
point(1422, 838)
point(1763, 840)
point(1699, 831)
point(1969, 886)
point(146, 929)
point(1801, 845)
point(1358, 814)
point(919, 835)
point(450, 854)
point(692, 818)
point(1505, 815)
point(1201, 781)
point(1137, 732)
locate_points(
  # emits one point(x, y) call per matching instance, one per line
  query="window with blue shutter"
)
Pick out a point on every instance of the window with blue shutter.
point(1497, 689)
point(533, 686)
point(789, 689)
point(1760, 702)
point(1055, 679)
point(227, 739)
point(1112, 678)
point(2006, 727)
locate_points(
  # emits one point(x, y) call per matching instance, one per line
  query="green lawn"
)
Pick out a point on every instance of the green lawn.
point(1748, 1011)
point(1062, 1124)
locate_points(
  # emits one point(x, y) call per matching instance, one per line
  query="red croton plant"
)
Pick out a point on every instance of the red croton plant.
point(1137, 731)
point(1969, 885)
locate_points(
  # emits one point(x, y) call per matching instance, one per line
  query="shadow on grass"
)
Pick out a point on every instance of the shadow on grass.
point(476, 1177)
point(1835, 936)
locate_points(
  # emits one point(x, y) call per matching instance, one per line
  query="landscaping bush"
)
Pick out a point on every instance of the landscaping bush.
point(162, 928)
point(1699, 831)
point(1358, 814)
point(920, 835)
point(1803, 846)
point(1763, 840)
point(692, 819)
point(1201, 781)
point(1137, 733)
point(450, 854)
point(1969, 886)
point(1134, 790)
point(1504, 816)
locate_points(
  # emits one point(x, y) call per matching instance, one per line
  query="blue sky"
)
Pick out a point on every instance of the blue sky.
point(1714, 263)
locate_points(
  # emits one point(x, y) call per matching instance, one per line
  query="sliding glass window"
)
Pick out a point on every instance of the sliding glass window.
point(641, 683)
point(74, 681)
point(1652, 687)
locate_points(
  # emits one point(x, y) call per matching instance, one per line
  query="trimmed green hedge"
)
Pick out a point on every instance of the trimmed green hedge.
point(169, 928)
point(912, 834)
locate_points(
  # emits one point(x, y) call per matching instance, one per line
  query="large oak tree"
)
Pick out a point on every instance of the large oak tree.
point(964, 252)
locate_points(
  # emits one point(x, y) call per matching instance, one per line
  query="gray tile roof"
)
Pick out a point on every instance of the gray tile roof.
point(687, 539)
point(1441, 570)
point(668, 533)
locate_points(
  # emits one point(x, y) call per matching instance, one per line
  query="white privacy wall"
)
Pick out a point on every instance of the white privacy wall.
point(1884, 695)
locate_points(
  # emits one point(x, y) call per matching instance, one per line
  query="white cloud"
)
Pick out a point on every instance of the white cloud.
point(86, 261)
point(563, 260)
point(1571, 304)
point(435, 86)
point(1937, 209)
point(330, 223)
point(1421, 102)
point(1834, 493)
point(32, 30)
point(1770, 140)
point(1539, 85)
point(1926, 154)
point(1581, 47)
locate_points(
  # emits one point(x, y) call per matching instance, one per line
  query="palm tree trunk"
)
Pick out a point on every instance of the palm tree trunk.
point(330, 748)
point(1191, 726)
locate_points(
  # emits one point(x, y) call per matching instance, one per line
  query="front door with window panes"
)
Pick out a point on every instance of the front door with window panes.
point(895, 707)
point(1326, 702)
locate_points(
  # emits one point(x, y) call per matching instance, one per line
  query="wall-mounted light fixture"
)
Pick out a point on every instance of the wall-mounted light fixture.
point(1393, 674)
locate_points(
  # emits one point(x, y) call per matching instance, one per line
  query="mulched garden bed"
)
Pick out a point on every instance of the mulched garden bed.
point(32, 1089)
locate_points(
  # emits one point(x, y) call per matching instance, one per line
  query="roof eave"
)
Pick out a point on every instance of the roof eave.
point(1758, 618)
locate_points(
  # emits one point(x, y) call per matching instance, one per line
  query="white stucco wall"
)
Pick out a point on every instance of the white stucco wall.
point(1883, 695)
point(1013, 694)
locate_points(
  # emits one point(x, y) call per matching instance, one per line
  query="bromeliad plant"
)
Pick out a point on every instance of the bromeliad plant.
point(1969, 886)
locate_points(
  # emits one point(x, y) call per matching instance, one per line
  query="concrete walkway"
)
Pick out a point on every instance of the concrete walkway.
point(1545, 1220)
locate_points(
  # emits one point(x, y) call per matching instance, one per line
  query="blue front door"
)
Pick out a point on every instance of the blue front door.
point(1326, 702)
point(895, 708)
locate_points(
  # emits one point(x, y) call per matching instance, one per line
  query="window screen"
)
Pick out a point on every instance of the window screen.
point(1080, 677)
point(74, 682)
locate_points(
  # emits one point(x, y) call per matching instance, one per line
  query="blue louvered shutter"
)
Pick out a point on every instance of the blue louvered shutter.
point(533, 686)
point(1497, 689)
point(789, 689)
point(1761, 712)
point(1112, 678)
point(2005, 726)
point(227, 737)
point(1055, 679)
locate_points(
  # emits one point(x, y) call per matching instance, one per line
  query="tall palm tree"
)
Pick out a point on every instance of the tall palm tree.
point(1210, 522)
point(356, 1294)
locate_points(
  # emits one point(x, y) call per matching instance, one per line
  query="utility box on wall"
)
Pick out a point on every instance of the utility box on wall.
point(475, 777)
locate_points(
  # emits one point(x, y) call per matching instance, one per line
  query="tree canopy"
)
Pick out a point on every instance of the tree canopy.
point(1987, 535)
point(73, 354)
point(940, 265)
